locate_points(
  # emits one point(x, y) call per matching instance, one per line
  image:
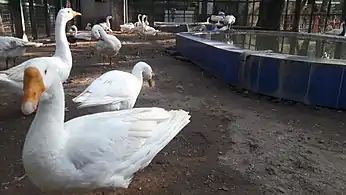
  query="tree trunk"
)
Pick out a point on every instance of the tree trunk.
point(117, 13)
point(297, 12)
point(270, 14)
point(16, 10)
point(269, 18)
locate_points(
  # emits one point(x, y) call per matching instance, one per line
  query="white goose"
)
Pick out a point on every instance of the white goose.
point(88, 26)
point(107, 25)
point(145, 20)
point(337, 31)
point(80, 35)
point(127, 28)
point(101, 150)
point(13, 78)
point(116, 90)
point(148, 30)
point(12, 47)
point(228, 21)
point(109, 46)
point(138, 24)
point(132, 27)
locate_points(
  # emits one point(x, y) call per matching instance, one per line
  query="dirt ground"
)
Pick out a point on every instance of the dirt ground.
point(236, 143)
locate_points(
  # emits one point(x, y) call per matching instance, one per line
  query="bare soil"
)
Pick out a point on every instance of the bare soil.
point(236, 143)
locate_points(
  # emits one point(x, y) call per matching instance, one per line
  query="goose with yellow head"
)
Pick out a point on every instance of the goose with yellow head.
point(97, 151)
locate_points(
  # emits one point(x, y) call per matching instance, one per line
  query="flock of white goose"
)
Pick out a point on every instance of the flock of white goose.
point(141, 27)
point(98, 151)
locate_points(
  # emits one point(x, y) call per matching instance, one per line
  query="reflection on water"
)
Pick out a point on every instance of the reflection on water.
point(322, 48)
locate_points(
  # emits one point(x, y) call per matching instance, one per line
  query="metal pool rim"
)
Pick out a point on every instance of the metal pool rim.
point(266, 53)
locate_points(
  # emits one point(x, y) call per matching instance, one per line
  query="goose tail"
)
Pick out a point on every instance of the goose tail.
point(170, 123)
point(168, 130)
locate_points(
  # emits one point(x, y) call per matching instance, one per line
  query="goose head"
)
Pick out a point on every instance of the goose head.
point(139, 17)
point(145, 19)
point(96, 31)
point(66, 14)
point(38, 79)
point(109, 17)
point(147, 72)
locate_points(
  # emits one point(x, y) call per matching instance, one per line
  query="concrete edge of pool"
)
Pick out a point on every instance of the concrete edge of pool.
point(297, 78)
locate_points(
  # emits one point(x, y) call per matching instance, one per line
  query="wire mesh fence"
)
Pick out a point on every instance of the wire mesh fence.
point(39, 16)
point(315, 16)
point(38, 21)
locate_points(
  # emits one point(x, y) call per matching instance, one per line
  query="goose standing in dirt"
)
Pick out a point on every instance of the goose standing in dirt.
point(12, 47)
point(146, 29)
point(109, 46)
point(138, 25)
point(62, 59)
point(116, 90)
point(99, 151)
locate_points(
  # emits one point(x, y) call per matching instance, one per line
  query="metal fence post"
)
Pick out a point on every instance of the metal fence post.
point(47, 18)
point(32, 14)
point(16, 10)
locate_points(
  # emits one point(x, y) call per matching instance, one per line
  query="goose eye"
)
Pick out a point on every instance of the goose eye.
point(45, 71)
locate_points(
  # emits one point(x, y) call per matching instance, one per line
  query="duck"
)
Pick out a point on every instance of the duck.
point(13, 78)
point(99, 151)
point(88, 27)
point(116, 90)
point(338, 31)
point(13, 47)
point(109, 45)
point(86, 36)
point(107, 25)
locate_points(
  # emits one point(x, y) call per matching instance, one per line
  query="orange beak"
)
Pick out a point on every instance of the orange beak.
point(74, 13)
point(33, 89)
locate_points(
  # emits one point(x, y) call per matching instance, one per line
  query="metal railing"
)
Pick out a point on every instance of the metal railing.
point(246, 11)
